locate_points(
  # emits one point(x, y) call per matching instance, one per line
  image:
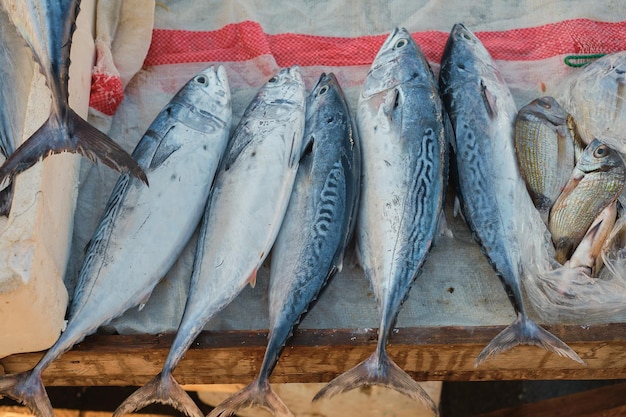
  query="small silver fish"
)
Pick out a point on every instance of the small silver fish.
point(47, 27)
point(16, 74)
point(545, 151)
point(244, 213)
point(597, 181)
point(143, 229)
point(401, 127)
point(318, 225)
point(495, 202)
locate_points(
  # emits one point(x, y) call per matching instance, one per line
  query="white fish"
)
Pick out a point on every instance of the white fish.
point(143, 229)
point(243, 216)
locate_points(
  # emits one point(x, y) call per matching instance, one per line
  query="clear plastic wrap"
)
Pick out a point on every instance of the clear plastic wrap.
point(594, 96)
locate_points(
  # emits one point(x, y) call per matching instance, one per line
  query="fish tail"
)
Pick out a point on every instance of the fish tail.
point(27, 388)
point(260, 394)
point(380, 370)
point(161, 389)
point(524, 331)
point(79, 136)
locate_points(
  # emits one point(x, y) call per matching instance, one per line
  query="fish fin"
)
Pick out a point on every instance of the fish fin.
point(6, 199)
point(257, 394)
point(524, 331)
point(162, 389)
point(252, 278)
point(489, 100)
point(84, 139)
point(162, 152)
point(27, 388)
point(377, 370)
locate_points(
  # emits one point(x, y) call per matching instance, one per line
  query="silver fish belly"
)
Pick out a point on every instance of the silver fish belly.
point(47, 26)
point(144, 229)
point(314, 234)
point(400, 124)
point(495, 201)
point(244, 213)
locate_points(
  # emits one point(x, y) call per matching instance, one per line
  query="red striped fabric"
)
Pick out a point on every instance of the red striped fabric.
point(247, 40)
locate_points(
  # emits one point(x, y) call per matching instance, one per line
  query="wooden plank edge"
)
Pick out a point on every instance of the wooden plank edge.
point(437, 354)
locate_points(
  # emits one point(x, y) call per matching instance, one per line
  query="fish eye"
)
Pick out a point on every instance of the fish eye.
point(466, 36)
point(544, 103)
point(273, 79)
point(201, 79)
point(323, 90)
point(601, 151)
point(401, 43)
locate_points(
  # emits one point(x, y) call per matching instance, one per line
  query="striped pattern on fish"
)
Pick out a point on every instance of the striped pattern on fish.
point(400, 124)
point(495, 202)
point(317, 228)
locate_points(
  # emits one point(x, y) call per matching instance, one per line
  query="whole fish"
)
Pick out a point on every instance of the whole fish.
point(596, 98)
point(545, 151)
point(494, 199)
point(244, 213)
point(316, 230)
point(48, 26)
point(16, 74)
point(401, 128)
point(143, 229)
point(597, 181)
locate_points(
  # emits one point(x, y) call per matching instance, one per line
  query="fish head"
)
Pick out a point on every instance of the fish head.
point(463, 52)
point(209, 93)
point(287, 85)
point(599, 157)
point(326, 92)
point(545, 108)
point(391, 67)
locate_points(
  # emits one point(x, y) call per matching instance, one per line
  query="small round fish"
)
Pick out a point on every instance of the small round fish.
point(544, 146)
point(597, 181)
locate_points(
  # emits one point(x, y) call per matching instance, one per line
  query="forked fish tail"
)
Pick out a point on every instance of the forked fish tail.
point(258, 394)
point(524, 331)
point(77, 137)
point(380, 370)
point(27, 388)
point(162, 389)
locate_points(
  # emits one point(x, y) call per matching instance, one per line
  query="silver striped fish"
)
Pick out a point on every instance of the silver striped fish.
point(400, 124)
point(495, 202)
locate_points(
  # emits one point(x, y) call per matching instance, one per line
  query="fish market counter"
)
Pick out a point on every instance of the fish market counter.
point(454, 309)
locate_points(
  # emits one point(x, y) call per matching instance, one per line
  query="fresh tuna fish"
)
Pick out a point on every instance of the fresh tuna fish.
point(143, 229)
point(48, 26)
point(400, 124)
point(16, 74)
point(316, 230)
point(245, 210)
point(597, 181)
point(545, 151)
point(494, 199)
